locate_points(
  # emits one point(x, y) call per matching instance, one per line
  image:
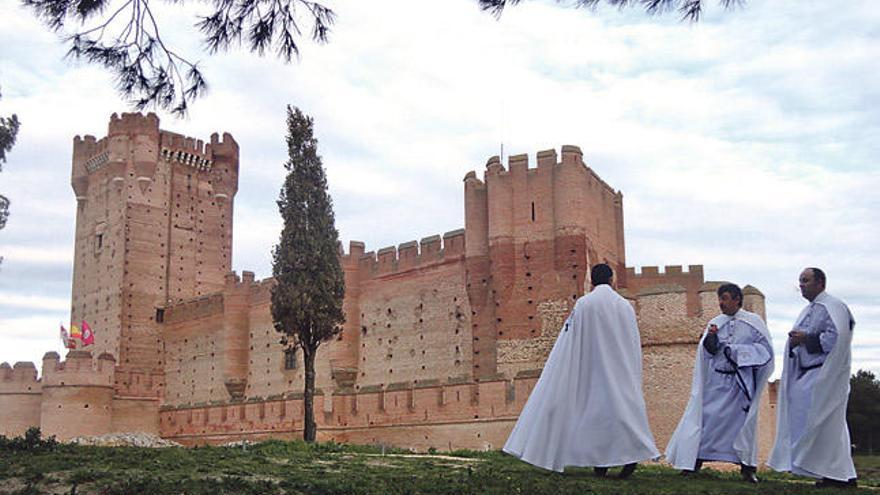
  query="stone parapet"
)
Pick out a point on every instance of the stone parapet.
point(391, 260)
point(79, 369)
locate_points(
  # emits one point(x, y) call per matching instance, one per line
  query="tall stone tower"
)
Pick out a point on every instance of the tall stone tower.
point(153, 226)
point(530, 235)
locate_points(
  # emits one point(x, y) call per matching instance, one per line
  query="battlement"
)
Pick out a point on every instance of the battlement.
point(545, 160)
point(79, 369)
point(21, 378)
point(133, 123)
point(690, 280)
point(399, 405)
point(669, 271)
point(94, 154)
point(186, 151)
point(408, 255)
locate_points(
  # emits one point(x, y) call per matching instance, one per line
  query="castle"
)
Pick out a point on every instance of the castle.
point(444, 338)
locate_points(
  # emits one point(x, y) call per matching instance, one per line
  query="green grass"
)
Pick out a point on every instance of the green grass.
point(297, 468)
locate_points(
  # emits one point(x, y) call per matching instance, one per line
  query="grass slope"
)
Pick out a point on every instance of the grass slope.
point(277, 467)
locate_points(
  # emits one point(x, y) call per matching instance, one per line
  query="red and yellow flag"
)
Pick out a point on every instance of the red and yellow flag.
point(75, 332)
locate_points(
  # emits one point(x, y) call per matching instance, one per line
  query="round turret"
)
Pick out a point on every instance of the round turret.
point(753, 300)
point(20, 397)
point(78, 396)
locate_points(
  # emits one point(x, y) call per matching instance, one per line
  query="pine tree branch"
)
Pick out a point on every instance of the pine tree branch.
point(150, 73)
point(690, 10)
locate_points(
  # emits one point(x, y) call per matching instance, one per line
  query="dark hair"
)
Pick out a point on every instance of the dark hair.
point(734, 291)
point(819, 275)
point(601, 274)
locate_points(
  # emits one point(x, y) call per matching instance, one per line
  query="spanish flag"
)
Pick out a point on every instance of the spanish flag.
point(75, 332)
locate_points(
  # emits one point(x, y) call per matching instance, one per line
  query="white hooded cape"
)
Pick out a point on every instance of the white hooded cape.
point(587, 408)
point(684, 446)
point(824, 448)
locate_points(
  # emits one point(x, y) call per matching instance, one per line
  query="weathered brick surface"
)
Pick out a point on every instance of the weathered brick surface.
point(443, 341)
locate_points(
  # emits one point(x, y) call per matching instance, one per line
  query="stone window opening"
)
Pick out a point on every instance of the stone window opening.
point(533, 211)
point(290, 359)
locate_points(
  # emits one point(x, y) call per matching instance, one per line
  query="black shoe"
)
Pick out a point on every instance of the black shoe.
point(830, 483)
point(627, 470)
point(600, 472)
point(687, 473)
point(748, 474)
point(750, 477)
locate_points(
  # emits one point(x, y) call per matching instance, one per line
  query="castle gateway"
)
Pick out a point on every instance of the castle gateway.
point(444, 337)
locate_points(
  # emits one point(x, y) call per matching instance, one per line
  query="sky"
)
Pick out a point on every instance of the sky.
point(746, 142)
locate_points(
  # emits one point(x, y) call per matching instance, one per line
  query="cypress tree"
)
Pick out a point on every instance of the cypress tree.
point(307, 296)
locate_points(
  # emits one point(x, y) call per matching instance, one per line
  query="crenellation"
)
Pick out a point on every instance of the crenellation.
point(79, 370)
point(355, 250)
point(430, 246)
point(518, 163)
point(453, 244)
point(133, 123)
point(572, 154)
point(691, 280)
point(547, 158)
point(24, 371)
point(412, 254)
point(18, 379)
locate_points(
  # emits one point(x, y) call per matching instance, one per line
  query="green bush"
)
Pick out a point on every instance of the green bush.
point(31, 441)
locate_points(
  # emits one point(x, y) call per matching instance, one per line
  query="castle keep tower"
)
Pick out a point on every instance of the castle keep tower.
point(153, 226)
point(531, 234)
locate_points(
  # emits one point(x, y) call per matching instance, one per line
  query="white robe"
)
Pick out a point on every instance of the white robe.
point(823, 450)
point(683, 448)
point(587, 408)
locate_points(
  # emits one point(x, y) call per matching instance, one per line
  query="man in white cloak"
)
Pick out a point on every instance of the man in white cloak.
point(812, 438)
point(734, 361)
point(587, 408)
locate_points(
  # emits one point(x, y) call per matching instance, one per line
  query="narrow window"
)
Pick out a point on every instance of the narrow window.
point(533, 211)
point(160, 315)
point(99, 241)
point(290, 359)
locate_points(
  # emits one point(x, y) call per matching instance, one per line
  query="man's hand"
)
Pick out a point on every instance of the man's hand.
point(713, 328)
point(796, 338)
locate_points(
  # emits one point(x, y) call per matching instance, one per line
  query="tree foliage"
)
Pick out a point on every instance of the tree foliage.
point(310, 286)
point(863, 412)
point(689, 9)
point(8, 131)
point(124, 37)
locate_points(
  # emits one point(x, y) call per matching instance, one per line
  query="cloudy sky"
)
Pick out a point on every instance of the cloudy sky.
point(746, 143)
